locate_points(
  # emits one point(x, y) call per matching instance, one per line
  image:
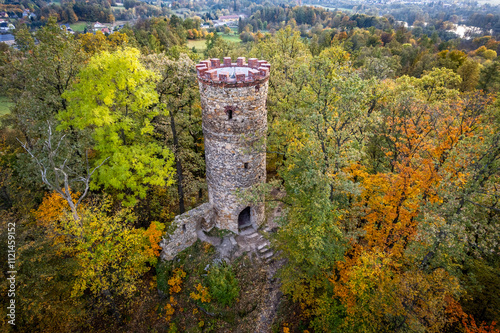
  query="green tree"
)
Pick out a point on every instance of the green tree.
point(115, 96)
point(37, 77)
point(469, 72)
point(179, 121)
point(289, 58)
point(217, 47)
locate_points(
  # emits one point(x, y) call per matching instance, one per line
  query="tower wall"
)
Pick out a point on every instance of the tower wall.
point(234, 123)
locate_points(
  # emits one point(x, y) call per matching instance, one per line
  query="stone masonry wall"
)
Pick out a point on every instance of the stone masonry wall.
point(186, 227)
point(234, 120)
point(234, 123)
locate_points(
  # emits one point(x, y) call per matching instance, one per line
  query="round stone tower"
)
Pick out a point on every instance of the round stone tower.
point(233, 100)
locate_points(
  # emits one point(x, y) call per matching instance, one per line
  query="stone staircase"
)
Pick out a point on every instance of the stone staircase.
point(250, 240)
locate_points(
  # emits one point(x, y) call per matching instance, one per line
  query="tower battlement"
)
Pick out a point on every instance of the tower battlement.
point(237, 74)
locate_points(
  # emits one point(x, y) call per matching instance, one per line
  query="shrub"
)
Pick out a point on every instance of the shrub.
point(223, 285)
point(201, 294)
point(175, 282)
point(163, 272)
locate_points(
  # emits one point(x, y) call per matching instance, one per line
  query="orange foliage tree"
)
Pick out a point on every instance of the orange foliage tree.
point(409, 197)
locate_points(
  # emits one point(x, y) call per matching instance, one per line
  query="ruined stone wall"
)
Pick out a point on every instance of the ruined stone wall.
point(186, 227)
point(234, 123)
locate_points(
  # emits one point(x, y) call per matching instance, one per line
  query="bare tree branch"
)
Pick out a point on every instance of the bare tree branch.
point(64, 189)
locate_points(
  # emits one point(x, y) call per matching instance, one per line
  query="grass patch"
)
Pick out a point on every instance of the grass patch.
point(79, 26)
point(231, 38)
point(198, 44)
point(5, 104)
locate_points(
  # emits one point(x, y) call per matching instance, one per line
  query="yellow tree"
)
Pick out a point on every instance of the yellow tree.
point(110, 253)
point(115, 97)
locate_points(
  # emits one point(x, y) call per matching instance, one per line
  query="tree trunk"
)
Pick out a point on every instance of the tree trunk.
point(177, 164)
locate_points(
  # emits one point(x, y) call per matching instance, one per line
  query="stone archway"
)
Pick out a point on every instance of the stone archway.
point(244, 218)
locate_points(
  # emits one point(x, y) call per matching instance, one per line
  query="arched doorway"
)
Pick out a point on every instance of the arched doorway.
point(244, 218)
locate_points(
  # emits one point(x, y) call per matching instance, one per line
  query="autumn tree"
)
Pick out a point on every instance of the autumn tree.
point(413, 240)
point(370, 227)
point(323, 134)
point(111, 254)
point(114, 97)
point(43, 279)
point(95, 42)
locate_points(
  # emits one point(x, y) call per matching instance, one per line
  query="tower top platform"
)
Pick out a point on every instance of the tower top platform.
point(233, 74)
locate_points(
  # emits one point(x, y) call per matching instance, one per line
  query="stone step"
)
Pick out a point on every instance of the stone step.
point(247, 231)
point(259, 247)
point(260, 239)
point(272, 258)
point(256, 234)
point(267, 255)
point(264, 250)
point(246, 226)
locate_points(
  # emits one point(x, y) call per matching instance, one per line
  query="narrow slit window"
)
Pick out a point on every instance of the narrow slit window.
point(245, 165)
point(229, 111)
point(183, 227)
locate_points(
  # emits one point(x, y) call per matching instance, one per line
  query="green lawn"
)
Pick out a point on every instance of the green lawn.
point(4, 105)
point(199, 45)
point(79, 26)
point(231, 37)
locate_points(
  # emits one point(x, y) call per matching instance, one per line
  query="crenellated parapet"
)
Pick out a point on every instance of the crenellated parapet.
point(236, 74)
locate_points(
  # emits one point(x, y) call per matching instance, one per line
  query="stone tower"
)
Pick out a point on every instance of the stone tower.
point(234, 118)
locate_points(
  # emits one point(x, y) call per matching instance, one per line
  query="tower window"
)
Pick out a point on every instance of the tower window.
point(257, 88)
point(245, 166)
point(183, 227)
point(229, 111)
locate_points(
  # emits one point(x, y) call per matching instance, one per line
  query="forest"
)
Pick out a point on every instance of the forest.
point(384, 141)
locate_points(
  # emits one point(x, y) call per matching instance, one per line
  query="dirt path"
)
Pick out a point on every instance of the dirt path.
point(270, 304)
